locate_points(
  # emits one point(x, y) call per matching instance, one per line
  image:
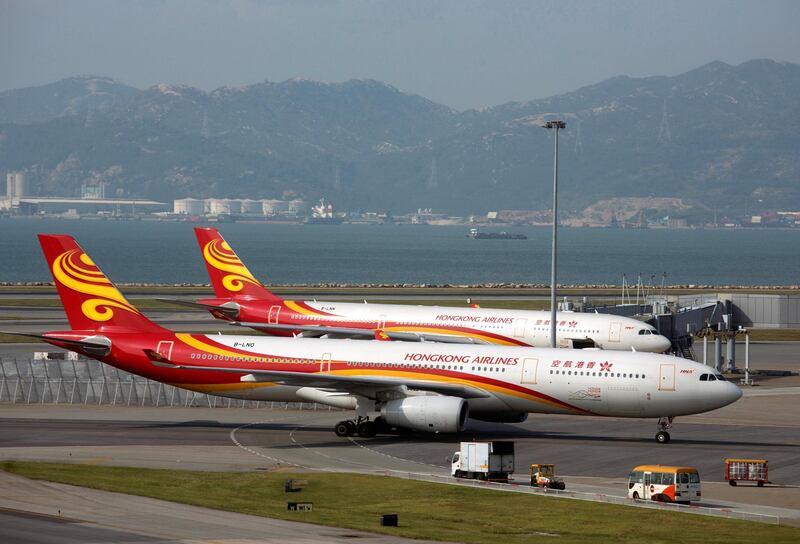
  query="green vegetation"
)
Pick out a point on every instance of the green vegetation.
point(426, 510)
point(13, 339)
point(765, 335)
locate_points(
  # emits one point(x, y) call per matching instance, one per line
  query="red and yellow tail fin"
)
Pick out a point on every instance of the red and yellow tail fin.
point(229, 276)
point(90, 300)
point(382, 336)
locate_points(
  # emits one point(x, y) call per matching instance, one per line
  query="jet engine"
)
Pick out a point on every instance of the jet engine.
point(427, 413)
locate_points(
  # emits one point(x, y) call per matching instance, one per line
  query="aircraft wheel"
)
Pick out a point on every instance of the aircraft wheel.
point(366, 429)
point(380, 425)
point(342, 428)
point(662, 437)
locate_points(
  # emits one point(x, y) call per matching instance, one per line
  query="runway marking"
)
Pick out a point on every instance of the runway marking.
point(291, 436)
point(294, 440)
point(360, 445)
point(258, 453)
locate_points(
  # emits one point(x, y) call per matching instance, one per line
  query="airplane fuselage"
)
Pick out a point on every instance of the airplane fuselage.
point(525, 380)
point(485, 325)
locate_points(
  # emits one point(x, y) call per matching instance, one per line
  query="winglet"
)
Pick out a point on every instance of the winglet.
point(159, 360)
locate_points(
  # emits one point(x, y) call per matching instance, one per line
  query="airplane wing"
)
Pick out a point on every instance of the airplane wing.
point(352, 332)
point(350, 384)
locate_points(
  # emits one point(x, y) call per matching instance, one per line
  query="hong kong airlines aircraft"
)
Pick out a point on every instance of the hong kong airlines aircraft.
point(420, 386)
point(242, 299)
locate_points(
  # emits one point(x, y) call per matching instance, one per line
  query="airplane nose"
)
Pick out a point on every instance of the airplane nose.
point(663, 344)
point(730, 394)
point(735, 393)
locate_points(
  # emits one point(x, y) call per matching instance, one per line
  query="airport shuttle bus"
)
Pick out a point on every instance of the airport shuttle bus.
point(422, 386)
point(664, 483)
point(241, 299)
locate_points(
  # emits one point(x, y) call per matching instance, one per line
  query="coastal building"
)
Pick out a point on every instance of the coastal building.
point(35, 205)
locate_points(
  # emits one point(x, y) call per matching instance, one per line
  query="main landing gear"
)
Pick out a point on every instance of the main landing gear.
point(664, 423)
point(362, 426)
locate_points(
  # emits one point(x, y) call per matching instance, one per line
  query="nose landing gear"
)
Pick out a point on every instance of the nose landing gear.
point(664, 423)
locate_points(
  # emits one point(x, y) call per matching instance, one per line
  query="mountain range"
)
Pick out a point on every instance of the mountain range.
point(721, 136)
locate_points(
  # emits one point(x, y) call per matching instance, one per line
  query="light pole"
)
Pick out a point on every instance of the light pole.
point(553, 306)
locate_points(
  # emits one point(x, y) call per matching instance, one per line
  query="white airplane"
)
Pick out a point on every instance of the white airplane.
point(243, 300)
point(420, 386)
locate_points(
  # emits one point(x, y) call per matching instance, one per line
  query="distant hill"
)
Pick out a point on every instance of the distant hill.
point(720, 135)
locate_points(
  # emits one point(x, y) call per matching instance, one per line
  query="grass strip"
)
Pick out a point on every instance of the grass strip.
point(426, 510)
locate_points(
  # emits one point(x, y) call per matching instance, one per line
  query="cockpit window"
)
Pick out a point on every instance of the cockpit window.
point(711, 378)
point(703, 377)
point(720, 377)
point(645, 331)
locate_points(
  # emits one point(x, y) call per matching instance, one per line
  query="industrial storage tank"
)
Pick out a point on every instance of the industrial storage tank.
point(223, 206)
point(189, 206)
point(10, 181)
point(297, 206)
point(19, 186)
point(211, 204)
point(217, 206)
point(274, 207)
point(234, 205)
point(251, 206)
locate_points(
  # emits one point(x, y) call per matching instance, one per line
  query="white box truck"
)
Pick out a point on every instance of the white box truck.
point(484, 461)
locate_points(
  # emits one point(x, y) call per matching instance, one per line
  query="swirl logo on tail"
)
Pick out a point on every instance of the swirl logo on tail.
point(219, 254)
point(75, 270)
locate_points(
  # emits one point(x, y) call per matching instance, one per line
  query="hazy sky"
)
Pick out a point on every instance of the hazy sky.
point(463, 53)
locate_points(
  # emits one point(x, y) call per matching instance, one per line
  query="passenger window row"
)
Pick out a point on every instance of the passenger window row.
point(600, 374)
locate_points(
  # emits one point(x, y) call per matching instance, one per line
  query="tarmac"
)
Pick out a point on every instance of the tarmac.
point(593, 455)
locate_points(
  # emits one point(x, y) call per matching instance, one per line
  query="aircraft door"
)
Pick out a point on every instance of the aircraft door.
point(164, 349)
point(615, 332)
point(529, 368)
point(325, 362)
point(519, 327)
point(666, 378)
point(274, 312)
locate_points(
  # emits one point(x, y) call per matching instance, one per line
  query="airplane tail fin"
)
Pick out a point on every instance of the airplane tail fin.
point(90, 300)
point(229, 276)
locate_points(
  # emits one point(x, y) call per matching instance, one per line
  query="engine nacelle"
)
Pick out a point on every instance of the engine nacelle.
point(427, 413)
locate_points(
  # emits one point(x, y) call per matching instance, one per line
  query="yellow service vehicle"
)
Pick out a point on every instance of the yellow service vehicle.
point(545, 476)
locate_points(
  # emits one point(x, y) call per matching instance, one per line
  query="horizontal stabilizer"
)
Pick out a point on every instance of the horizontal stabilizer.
point(231, 312)
point(94, 348)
